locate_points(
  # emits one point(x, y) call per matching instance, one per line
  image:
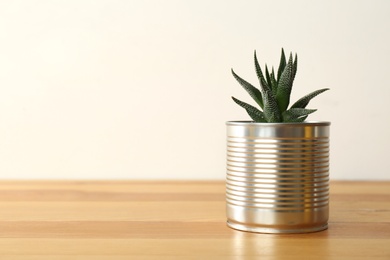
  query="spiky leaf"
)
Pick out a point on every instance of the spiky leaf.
point(263, 83)
point(301, 119)
point(268, 77)
point(253, 112)
point(271, 110)
point(302, 102)
point(295, 67)
point(296, 114)
point(274, 82)
point(282, 64)
point(273, 96)
point(252, 91)
point(284, 86)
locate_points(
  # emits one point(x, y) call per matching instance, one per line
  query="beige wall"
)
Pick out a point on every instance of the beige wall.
point(141, 89)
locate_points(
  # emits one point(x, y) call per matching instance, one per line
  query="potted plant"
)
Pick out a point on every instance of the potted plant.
point(278, 163)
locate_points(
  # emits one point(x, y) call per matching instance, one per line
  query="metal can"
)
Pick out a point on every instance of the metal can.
point(277, 177)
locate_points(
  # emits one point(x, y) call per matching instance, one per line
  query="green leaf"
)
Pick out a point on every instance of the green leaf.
point(301, 119)
point(274, 83)
point(273, 95)
point(253, 112)
point(271, 110)
point(252, 91)
point(295, 67)
point(296, 114)
point(302, 102)
point(284, 86)
point(282, 64)
point(268, 77)
point(263, 83)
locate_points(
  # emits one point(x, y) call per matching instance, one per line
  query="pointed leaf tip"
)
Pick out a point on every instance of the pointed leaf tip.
point(282, 64)
point(262, 80)
point(253, 112)
point(252, 91)
point(304, 101)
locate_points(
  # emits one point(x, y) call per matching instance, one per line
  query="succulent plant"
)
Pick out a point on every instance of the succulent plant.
point(273, 96)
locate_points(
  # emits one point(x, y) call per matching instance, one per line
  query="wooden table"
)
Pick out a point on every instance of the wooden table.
point(176, 220)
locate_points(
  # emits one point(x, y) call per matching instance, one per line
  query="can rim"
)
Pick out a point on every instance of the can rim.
point(306, 123)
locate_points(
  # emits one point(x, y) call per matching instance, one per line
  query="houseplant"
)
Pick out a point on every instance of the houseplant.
point(278, 163)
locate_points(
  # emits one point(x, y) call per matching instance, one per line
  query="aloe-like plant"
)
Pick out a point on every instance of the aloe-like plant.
point(273, 97)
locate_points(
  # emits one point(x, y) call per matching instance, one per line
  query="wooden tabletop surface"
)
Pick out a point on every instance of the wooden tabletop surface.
point(176, 220)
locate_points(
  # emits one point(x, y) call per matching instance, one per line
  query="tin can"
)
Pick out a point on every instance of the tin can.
point(277, 176)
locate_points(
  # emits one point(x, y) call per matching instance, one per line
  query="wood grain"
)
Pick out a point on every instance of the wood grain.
point(176, 220)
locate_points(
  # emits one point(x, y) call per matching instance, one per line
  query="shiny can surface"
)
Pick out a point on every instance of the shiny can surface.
point(277, 176)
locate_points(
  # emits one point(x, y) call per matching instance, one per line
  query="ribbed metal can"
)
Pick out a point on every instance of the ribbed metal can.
point(277, 177)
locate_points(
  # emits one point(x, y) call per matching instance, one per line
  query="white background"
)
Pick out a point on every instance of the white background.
point(141, 89)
